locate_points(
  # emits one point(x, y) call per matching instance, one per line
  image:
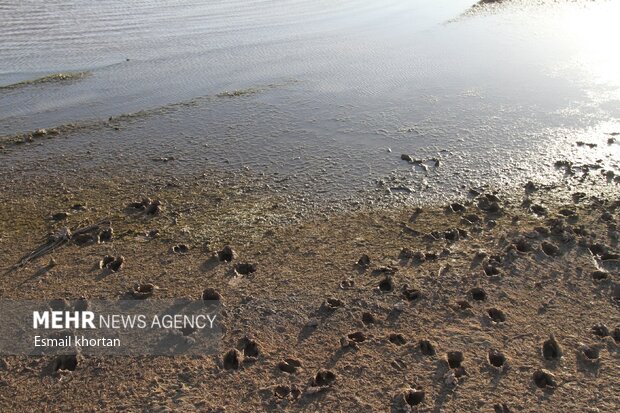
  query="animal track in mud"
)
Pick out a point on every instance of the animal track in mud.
point(478, 294)
point(551, 349)
point(616, 335)
point(113, 264)
point(496, 358)
point(410, 293)
point(147, 206)
point(324, 378)
point(368, 318)
point(332, 304)
point(501, 408)
point(66, 362)
point(591, 353)
point(347, 284)
point(289, 365)
point(180, 249)
point(427, 348)
point(283, 391)
point(600, 330)
point(251, 349)
point(544, 378)
point(491, 270)
point(455, 358)
point(363, 262)
point(357, 337)
point(142, 291)
point(397, 338)
point(226, 254)
point(386, 285)
point(496, 315)
point(600, 275)
point(550, 250)
point(523, 245)
point(462, 305)
point(232, 360)
point(245, 268)
point(414, 397)
point(211, 294)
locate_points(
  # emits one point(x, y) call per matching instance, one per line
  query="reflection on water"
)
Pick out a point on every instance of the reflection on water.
point(506, 82)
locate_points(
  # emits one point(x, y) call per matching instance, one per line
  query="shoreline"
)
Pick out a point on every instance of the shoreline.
point(489, 278)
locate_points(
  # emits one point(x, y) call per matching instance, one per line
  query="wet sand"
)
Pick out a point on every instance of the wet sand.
point(354, 310)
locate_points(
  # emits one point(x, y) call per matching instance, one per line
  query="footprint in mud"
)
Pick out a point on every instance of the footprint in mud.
point(245, 268)
point(181, 249)
point(544, 378)
point(600, 330)
point(251, 349)
point(368, 318)
point(332, 304)
point(550, 250)
point(478, 294)
point(410, 293)
point(112, 264)
point(386, 285)
point(324, 378)
point(211, 294)
point(352, 340)
point(226, 254)
point(523, 245)
point(413, 397)
point(616, 335)
point(461, 305)
point(232, 359)
point(600, 275)
point(501, 408)
point(289, 365)
point(496, 315)
point(492, 270)
point(363, 262)
point(589, 353)
point(67, 362)
point(347, 284)
point(284, 391)
point(551, 349)
point(455, 358)
point(427, 348)
point(397, 338)
point(146, 206)
point(496, 358)
point(142, 291)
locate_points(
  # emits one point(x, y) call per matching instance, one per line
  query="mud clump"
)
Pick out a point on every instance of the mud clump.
point(551, 349)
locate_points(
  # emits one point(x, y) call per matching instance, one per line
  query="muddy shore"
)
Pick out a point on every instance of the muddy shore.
point(445, 307)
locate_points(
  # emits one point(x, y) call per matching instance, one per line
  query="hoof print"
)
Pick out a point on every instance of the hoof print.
point(496, 315)
point(211, 294)
point(544, 378)
point(251, 349)
point(289, 365)
point(142, 291)
point(600, 275)
point(363, 262)
point(397, 338)
point(413, 397)
point(67, 362)
point(550, 250)
point(347, 284)
point(478, 294)
point(496, 358)
point(323, 379)
point(368, 318)
point(245, 268)
point(180, 249)
point(411, 294)
point(226, 254)
point(113, 264)
point(455, 358)
point(551, 349)
point(600, 330)
point(232, 360)
point(285, 392)
point(331, 304)
point(386, 285)
point(427, 348)
point(590, 353)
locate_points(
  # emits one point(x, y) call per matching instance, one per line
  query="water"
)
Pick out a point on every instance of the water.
point(494, 93)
